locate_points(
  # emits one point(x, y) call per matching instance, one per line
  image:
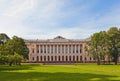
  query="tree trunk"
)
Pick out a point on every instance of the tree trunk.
point(10, 64)
point(115, 55)
point(98, 61)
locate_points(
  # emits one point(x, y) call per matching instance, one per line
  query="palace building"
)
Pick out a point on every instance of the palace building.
point(57, 50)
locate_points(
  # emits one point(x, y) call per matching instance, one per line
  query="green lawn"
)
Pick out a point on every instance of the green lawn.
point(86, 72)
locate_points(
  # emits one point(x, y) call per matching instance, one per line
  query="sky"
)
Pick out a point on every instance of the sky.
point(46, 19)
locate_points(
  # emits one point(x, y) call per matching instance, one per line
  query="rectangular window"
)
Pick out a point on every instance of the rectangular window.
point(33, 51)
point(33, 58)
point(80, 50)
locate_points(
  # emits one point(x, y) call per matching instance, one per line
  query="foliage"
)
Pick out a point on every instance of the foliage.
point(105, 43)
point(12, 51)
point(3, 38)
point(114, 40)
point(18, 45)
point(14, 59)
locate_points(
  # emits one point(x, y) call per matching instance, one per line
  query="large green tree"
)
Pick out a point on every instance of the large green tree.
point(114, 42)
point(105, 43)
point(12, 51)
point(18, 45)
point(98, 45)
point(3, 52)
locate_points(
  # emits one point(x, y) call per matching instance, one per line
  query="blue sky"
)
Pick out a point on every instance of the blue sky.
point(46, 19)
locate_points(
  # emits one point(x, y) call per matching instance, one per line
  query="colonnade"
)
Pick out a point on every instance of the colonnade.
point(58, 49)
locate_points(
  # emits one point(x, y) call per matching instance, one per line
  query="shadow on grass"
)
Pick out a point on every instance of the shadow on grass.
point(60, 76)
point(11, 68)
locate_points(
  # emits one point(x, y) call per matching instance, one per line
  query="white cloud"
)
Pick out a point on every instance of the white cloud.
point(43, 19)
point(12, 16)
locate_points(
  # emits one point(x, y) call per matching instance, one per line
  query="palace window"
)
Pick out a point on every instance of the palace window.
point(77, 58)
point(44, 58)
point(80, 50)
point(48, 58)
point(51, 58)
point(41, 51)
point(58, 50)
point(38, 51)
point(62, 58)
point(48, 51)
point(37, 58)
point(73, 58)
point(41, 58)
point(66, 58)
point(80, 58)
point(69, 58)
point(33, 51)
point(51, 50)
point(33, 58)
point(90, 59)
point(77, 51)
point(59, 58)
point(55, 58)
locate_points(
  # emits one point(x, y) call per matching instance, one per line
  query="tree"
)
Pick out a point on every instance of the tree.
point(114, 40)
point(104, 44)
point(97, 46)
point(14, 59)
point(18, 45)
point(3, 38)
point(12, 51)
point(3, 52)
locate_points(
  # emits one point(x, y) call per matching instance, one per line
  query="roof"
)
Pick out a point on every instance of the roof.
point(57, 39)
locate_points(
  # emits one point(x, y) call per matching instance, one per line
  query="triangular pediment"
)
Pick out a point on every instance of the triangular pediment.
point(59, 39)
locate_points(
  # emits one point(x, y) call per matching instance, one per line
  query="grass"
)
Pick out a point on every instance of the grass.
point(37, 72)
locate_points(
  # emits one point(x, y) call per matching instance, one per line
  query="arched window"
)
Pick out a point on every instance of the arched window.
point(44, 58)
point(77, 58)
point(69, 58)
point(73, 58)
point(41, 58)
point(80, 58)
point(51, 58)
point(38, 51)
point(62, 58)
point(33, 58)
point(66, 58)
point(37, 58)
point(48, 58)
point(59, 58)
point(85, 59)
point(90, 59)
point(33, 51)
point(55, 58)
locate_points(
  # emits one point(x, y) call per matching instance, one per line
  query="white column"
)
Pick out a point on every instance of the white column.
point(53, 49)
point(39, 49)
point(64, 49)
point(71, 48)
point(42, 48)
point(78, 49)
point(68, 48)
point(57, 49)
point(75, 49)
